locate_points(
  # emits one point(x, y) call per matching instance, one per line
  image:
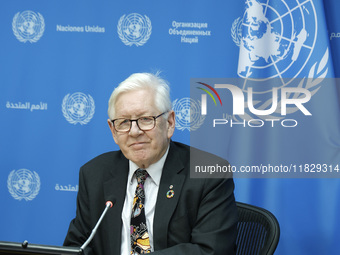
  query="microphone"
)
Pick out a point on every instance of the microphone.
point(108, 205)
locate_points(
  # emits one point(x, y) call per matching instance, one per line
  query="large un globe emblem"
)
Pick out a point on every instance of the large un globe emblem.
point(23, 184)
point(275, 40)
point(28, 26)
point(188, 114)
point(134, 29)
point(78, 108)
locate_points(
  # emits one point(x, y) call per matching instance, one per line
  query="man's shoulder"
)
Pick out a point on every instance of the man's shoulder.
point(104, 161)
point(107, 156)
point(195, 154)
point(200, 163)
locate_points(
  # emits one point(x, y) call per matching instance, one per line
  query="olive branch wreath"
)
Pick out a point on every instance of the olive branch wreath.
point(311, 83)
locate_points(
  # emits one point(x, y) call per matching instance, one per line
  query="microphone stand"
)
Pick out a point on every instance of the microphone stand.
point(109, 204)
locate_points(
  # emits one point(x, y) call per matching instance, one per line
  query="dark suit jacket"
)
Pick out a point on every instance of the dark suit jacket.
point(201, 217)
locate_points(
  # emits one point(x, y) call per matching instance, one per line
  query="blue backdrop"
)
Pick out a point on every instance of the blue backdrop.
point(60, 60)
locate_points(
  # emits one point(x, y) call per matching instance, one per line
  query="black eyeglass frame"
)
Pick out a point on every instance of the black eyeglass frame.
point(154, 122)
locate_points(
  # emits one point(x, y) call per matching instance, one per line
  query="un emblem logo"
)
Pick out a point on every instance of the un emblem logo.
point(274, 40)
point(277, 41)
point(78, 108)
point(134, 29)
point(28, 26)
point(23, 184)
point(188, 114)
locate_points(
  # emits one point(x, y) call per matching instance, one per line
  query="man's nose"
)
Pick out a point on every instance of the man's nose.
point(135, 130)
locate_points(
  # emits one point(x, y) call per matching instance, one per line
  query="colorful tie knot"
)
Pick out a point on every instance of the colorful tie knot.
point(141, 175)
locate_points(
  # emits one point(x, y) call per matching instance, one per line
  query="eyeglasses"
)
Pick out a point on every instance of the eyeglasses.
point(144, 123)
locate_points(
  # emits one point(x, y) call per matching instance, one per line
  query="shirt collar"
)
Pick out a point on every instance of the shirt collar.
point(155, 170)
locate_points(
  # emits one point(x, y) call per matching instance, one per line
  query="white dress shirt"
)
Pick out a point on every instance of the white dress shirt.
point(151, 187)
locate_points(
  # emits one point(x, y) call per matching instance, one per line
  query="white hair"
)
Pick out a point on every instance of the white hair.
point(139, 81)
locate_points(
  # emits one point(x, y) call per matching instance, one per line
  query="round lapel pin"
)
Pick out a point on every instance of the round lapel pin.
point(170, 194)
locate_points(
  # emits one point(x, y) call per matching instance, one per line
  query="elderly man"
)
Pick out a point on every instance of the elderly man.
point(159, 209)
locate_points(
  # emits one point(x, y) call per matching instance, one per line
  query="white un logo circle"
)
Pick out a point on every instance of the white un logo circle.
point(28, 26)
point(78, 108)
point(134, 29)
point(188, 114)
point(23, 184)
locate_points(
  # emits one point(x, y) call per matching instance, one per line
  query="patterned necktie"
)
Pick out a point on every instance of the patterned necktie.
point(140, 243)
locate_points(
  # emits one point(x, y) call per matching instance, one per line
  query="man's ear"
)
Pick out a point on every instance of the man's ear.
point(171, 123)
point(113, 131)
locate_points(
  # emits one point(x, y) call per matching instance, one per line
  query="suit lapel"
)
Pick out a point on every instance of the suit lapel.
point(116, 188)
point(165, 206)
